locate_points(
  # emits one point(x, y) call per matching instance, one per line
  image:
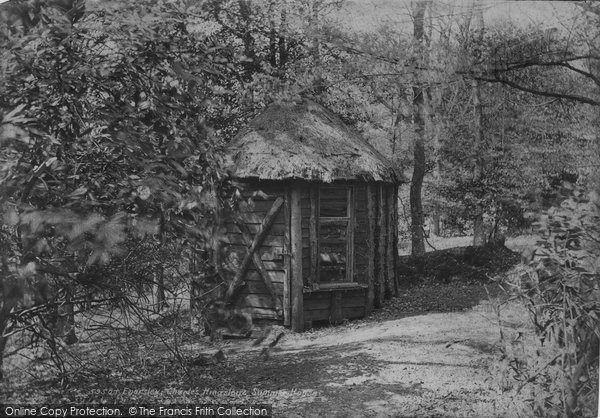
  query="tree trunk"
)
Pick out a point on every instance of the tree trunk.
point(479, 235)
point(435, 126)
point(435, 223)
point(6, 306)
point(416, 185)
point(272, 36)
point(282, 44)
point(252, 64)
point(71, 336)
point(3, 341)
point(160, 299)
point(195, 287)
point(416, 203)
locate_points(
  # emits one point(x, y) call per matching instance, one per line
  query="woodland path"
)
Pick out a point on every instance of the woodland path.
point(439, 364)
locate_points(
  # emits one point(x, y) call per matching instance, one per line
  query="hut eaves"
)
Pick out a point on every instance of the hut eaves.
point(304, 140)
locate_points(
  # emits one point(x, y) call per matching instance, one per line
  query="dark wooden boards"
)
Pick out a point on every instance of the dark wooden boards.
point(334, 306)
point(256, 243)
point(297, 299)
point(284, 274)
point(371, 223)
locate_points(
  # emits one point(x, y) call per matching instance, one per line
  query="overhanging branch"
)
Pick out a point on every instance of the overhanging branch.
point(557, 95)
point(560, 63)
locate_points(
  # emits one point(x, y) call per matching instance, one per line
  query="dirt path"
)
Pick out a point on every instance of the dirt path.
point(431, 365)
point(428, 365)
point(389, 365)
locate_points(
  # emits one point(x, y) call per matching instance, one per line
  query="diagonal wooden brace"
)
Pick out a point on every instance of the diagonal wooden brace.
point(246, 234)
point(256, 243)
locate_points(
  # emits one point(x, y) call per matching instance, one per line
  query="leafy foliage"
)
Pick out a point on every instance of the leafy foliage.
point(563, 299)
point(108, 159)
point(112, 132)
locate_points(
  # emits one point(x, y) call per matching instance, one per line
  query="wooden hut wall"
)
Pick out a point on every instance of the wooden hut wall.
point(361, 234)
point(305, 210)
point(380, 244)
point(374, 235)
point(322, 303)
point(254, 295)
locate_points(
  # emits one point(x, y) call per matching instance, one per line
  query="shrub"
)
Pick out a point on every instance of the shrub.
point(564, 302)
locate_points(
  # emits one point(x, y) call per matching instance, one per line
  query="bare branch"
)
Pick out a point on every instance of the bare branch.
point(558, 95)
point(561, 63)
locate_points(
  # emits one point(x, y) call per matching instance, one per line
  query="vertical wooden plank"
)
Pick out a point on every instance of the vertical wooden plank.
point(297, 320)
point(335, 314)
point(391, 279)
point(395, 242)
point(287, 261)
point(370, 248)
point(313, 234)
point(380, 288)
point(350, 236)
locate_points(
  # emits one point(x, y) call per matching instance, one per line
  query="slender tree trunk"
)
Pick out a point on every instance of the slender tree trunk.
point(69, 311)
point(252, 64)
point(435, 224)
point(272, 36)
point(160, 290)
point(479, 235)
point(416, 184)
point(3, 341)
point(282, 43)
point(160, 274)
point(7, 305)
point(433, 131)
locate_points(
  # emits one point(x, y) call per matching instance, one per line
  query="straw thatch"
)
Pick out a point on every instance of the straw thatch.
point(304, 140)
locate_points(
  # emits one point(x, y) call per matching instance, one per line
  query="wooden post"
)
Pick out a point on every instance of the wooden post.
point(395, 242)
point(287, 261)
point(314, 242)
point(391, 279)
point(350, 235)
point(381, 279)
point(370, 248)
point(296, 247)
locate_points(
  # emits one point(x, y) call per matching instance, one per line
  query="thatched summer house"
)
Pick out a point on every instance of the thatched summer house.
point(316, 237)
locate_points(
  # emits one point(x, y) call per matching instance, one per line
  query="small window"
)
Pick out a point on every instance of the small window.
point(333, 202)
point(334, 238)
point(333, 251)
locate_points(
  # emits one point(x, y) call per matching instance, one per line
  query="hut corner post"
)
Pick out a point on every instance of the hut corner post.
point(297, 320)
point(370, 249)
point(287, 262)
point(391, 284)
point(395, 239)
point(380, 277)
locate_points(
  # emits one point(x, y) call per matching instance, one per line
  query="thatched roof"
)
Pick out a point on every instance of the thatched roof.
point(304, 140)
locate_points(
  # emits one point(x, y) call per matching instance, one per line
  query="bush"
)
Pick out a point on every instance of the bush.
point(563, 298)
